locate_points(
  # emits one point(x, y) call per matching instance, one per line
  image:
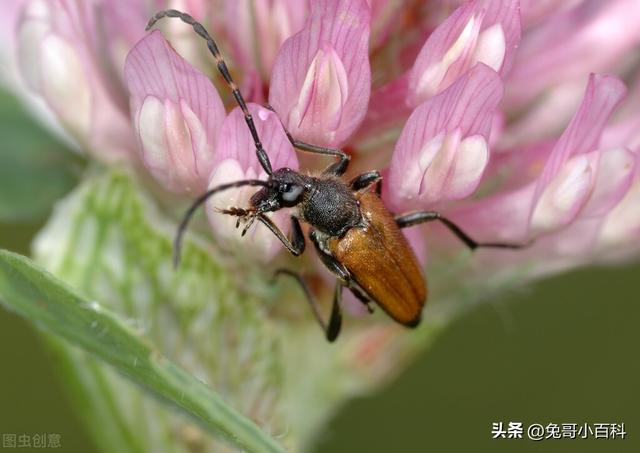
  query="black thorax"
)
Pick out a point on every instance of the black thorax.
point(330, 207)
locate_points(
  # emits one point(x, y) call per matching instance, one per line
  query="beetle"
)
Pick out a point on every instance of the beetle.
point(356, 237)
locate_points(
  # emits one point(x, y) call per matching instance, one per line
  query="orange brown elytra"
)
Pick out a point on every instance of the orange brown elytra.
point(357, 238)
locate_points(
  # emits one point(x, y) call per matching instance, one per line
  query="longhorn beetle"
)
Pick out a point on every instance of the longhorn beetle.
point(356, 237)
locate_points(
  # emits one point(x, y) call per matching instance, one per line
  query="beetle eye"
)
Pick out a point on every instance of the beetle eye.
point(291, 192)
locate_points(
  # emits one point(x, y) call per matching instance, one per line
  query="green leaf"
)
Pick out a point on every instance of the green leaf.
point(35, 169)
point(41, 298)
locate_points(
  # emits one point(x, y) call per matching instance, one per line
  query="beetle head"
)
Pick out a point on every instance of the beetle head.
point(286, 188)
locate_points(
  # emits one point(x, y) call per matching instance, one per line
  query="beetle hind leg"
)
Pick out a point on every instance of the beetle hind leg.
point(333, 326)
point(362, 297)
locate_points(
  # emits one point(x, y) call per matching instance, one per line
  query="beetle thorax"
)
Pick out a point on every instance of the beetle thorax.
point(330, 207)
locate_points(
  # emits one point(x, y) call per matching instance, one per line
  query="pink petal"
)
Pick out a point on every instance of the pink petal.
point(480, 31)
point(624, 133)
point(505, 16)
point(467, 169)
point(576, 242)
point(321, 79)
point(590, 37)
point(125, 22)
point(184, 120)
point(446, 54)
point(535, 11)
point(443, 149)
point(323, 94)
point(56, 51)
point(125, 18)
point(252, 87)
point(197, 8)
point(626, 130)
point(602, 97)
point(502, 217)
point(616, 170)
point(622, 225)
point(565, 195)
point(174, 143)
point(236, 143)
point(536, 124)
point(257, 29)
point(387, 107)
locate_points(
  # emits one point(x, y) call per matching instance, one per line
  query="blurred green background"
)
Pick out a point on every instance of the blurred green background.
point(561, 351)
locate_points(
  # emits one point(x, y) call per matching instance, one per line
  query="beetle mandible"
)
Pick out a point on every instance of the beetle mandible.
point(356, 237)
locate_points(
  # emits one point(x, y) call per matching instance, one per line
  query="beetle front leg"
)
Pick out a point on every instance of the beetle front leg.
point(415, 218)
point(332, 328)
point(296, 243)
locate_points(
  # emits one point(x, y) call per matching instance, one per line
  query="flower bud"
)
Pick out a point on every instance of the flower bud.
point(321, 79)
point(481, 31)
point(55, 56)
point(613, 172)
point(578, 178)
point(177, 114)
point(443, 149)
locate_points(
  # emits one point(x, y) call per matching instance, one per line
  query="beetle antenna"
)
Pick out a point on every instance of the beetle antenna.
point(222, 67)
point(177, 243)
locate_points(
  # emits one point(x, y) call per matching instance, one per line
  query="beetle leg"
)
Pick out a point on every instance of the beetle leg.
point(297, 237)
point(364, 180)
point(361, 297)
point(337, 168)
point(296, 244)
point(332, 328)
point(248, 225)
point(341, 272)
point(334, 266)
point(415, 218)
